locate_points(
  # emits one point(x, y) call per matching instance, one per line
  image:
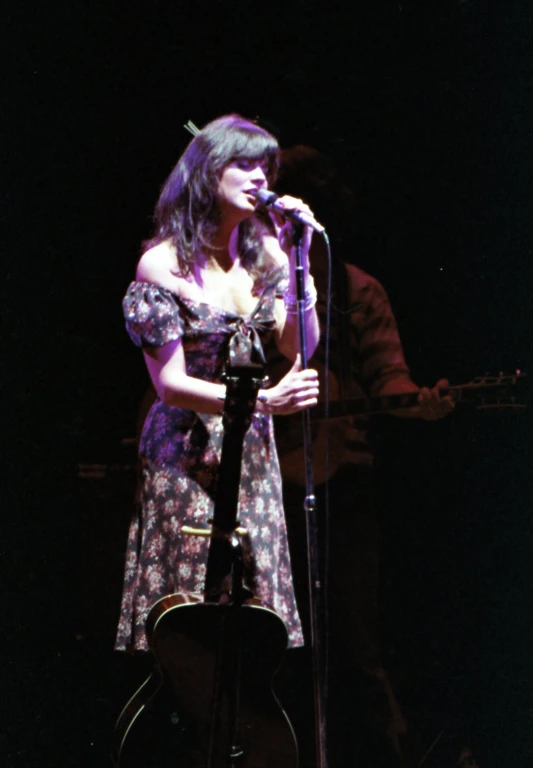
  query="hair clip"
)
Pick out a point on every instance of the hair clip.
point(192, 128)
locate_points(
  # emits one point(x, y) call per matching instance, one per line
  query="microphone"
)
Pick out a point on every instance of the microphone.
point(270, 200)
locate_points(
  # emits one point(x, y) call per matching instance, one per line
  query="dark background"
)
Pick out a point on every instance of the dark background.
point(427, 110)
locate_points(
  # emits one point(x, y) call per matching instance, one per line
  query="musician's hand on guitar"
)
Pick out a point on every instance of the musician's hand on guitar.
point(432, 404)
point(296, 391)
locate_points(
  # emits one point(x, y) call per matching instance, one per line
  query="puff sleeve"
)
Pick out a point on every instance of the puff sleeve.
point(152, 315)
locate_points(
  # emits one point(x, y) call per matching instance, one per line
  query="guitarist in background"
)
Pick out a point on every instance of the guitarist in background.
point(366, 359)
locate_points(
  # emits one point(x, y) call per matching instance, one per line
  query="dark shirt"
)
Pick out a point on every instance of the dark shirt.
point(365, 354)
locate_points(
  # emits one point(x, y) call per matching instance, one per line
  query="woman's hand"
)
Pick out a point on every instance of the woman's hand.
point(279, 245)
point(284, 227)
point(296, 391)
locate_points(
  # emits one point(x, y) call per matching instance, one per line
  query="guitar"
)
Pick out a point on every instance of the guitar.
point(209, 701)
point(483, 393)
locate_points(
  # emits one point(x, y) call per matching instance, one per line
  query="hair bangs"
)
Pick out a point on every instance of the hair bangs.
point(256, 145)
point(236, 138)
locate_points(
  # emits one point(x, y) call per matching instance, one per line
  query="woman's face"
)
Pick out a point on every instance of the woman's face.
point(239, 182)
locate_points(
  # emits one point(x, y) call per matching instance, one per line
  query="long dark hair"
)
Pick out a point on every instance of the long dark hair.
point(187, 212)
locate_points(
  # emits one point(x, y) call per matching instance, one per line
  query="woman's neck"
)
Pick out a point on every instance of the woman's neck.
point(223, 256)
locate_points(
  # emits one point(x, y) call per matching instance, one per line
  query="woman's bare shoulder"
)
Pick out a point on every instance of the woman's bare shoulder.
point(157, 264)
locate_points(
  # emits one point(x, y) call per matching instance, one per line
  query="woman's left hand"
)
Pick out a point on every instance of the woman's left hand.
point(296, 391)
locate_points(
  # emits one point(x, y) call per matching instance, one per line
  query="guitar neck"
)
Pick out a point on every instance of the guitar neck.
point(484, 392)
point(367, 406)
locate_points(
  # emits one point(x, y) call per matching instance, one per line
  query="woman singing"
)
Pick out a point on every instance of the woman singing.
point(215, 283)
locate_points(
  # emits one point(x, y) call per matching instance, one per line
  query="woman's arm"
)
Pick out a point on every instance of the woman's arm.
point(166, 365)
point(288, 337)
point(280, 247)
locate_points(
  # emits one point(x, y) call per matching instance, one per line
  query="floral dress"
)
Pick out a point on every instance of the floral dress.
point(179, 458)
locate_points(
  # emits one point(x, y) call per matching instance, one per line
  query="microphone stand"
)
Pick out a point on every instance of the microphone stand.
point(316, 597)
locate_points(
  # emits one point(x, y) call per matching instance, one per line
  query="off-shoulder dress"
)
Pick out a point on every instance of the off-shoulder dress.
point(179, 455)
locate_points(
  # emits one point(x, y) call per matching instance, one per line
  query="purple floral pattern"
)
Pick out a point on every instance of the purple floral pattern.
point(179, 454)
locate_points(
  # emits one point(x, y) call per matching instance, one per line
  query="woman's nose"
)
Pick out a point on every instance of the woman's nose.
point(259, 175)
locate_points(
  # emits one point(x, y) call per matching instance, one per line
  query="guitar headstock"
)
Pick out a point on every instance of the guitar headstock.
point(494, 391)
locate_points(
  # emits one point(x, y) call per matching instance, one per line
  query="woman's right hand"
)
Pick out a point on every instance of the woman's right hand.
point(296, 391)
point(284, 229)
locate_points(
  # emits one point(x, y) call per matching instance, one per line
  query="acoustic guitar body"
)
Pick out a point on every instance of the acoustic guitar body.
point(184, 714)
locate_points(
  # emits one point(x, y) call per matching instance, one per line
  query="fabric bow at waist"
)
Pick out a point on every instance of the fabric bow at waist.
point(245, 344)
